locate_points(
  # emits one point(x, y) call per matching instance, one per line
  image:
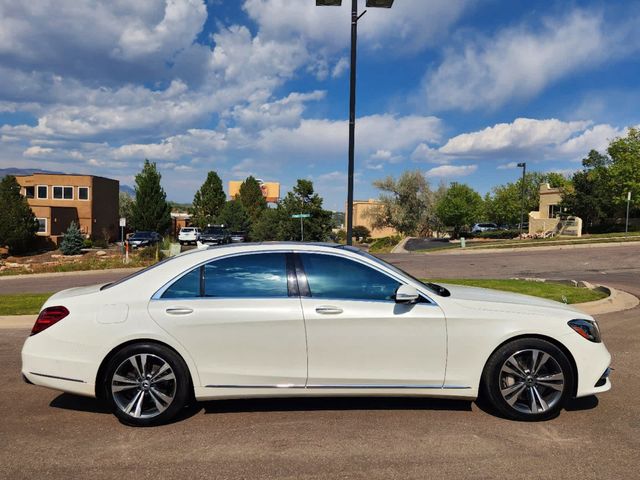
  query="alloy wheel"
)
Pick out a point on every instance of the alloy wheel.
point(531, 381)
point(143, 386)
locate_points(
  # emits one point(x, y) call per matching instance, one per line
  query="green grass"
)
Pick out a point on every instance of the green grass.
point(22, 304)
point(552, 291)
point(92, 263)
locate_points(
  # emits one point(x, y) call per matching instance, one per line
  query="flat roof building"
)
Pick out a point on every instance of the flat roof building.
point(59, 199)
point(362, 210)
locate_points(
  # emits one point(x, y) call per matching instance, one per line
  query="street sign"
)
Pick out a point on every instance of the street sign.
point(301, 215)
point(123, 222)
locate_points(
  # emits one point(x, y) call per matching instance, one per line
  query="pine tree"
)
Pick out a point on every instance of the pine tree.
point(250, 195)
point(73, 241)
point(303, 199)
point(208, 202)
point(18, 225)
point(234, 217)
point(150, 210)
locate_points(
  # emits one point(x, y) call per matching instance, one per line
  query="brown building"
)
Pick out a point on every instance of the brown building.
point(59, 199)
point(549, 217)
point(362, 210)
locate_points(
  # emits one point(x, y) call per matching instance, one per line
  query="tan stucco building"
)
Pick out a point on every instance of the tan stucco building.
point(549, 218)
point(59, 199)
point(362, 210)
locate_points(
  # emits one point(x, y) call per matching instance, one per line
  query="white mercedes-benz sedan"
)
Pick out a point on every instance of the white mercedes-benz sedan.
point(292, 319)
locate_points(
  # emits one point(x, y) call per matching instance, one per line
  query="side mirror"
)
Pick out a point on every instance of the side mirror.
point(407, 294)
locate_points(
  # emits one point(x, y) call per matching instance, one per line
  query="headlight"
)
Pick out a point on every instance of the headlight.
point(587, 329)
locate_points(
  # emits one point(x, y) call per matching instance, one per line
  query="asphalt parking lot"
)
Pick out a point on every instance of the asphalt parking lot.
point(53, 435)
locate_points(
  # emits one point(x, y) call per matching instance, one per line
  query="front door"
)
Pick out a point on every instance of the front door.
point(359, 337)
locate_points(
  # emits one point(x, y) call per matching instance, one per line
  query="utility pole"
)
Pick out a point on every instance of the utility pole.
point(522, 165)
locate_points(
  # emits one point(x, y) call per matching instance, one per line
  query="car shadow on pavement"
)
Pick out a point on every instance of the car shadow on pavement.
point(68, 401)
point(573, 405)
point(332, 403)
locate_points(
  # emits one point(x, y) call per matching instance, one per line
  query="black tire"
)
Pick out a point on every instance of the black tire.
point(521, 384)
point(165, 385)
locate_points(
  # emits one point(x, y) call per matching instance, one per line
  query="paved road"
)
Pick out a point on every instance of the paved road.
point(45, 433)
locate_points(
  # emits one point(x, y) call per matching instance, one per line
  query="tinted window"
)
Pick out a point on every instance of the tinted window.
point(261, 275)
point(42, 191)
point(83, 193)
point(186, 287)
point(213, 231)
point(340, 278)
point(57, 192)
point(29, 192)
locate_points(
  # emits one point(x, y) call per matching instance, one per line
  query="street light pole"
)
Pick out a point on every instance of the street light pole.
point(352, 119)
point(626, 225)
point(523, 165)
point(352, 96)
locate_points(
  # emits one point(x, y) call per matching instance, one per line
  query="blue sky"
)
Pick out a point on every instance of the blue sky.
point(460, 89)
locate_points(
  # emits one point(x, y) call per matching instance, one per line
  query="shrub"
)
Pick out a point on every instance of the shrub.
point(150, 253)
point(73, 241)
point(384, 244)
point(498, 234)
point(87, 243)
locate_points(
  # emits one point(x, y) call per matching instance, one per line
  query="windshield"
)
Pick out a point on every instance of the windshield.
point(213, 231)
point(435, 288)
point(186, 230)
point(141, 235)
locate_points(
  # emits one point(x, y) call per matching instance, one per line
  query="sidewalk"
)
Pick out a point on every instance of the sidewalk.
point(489, 249)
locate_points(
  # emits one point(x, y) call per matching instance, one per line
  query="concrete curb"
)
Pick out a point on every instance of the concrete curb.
point(617, 301)
point(399, 248)
point(124, 271)
point(17, 321)
point(471, 251)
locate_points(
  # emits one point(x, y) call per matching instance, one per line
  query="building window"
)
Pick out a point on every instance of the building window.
point(29, 192)
point(63, 193)
point(42, 225)
point(83, 193)
point(42, 191)
point(554, 210)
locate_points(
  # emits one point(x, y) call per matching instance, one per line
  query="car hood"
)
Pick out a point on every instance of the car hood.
point(487, 299)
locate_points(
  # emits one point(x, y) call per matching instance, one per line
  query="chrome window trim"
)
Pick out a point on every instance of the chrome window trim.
point(161, 290)
point(57, 378)
point(364, 261)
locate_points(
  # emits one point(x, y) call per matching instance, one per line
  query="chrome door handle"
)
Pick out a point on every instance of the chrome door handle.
point(328, 310)
point(179, 311)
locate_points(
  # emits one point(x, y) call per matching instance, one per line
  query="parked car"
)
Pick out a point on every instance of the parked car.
point(188, 235)
point(238, 237)
point(484, 227)
point(144, 239)
point(215, 235)
point(284, 319)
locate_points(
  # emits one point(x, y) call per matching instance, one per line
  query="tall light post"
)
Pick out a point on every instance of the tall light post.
point(352, 94)
point(522, 165)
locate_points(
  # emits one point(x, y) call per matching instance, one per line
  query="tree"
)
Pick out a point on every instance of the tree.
point(126, 206)
point(18, 225)
point(72, 241)
point(406, 204)
point(590, 196)
point(150, 210)
point(303, 199)
point(251, 198)
point(460, 207)
point(361, 233)
point(624, 172)
point(266, 227)
point(208, 201)
point(234, 217)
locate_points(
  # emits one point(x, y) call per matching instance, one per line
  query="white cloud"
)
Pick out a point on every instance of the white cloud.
point(36, 150)
point(340, 67)
point(596, 138)
point(519, 62)
point(523, 134)
point(450, 171)
point(408, 27)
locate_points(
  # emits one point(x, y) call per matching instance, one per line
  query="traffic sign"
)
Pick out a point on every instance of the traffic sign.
point(301, 215)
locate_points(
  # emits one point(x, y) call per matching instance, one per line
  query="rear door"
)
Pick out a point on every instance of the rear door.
point(241, 320)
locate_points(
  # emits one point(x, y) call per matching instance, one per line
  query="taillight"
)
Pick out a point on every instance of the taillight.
point(48, 317)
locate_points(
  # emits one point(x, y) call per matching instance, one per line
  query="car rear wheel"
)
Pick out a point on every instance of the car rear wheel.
point(528, 379)
point(146, 384)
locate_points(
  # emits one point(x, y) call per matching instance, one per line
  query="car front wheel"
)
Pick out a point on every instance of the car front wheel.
point(146, 384)
point(528, 379)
